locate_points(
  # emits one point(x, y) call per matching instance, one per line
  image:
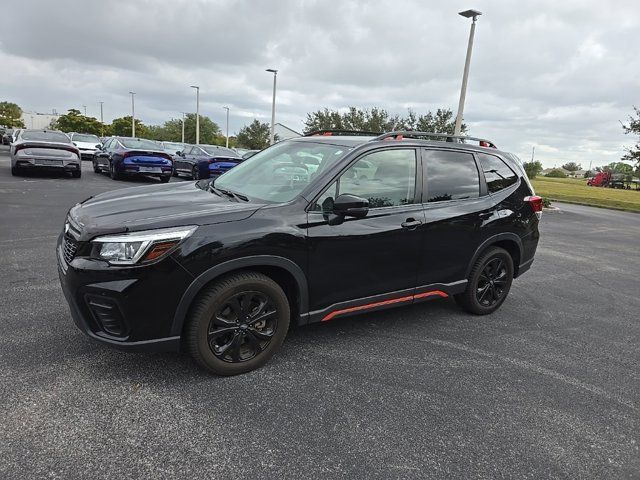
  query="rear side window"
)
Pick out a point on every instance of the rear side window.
point(451, 176)
point(496, 172)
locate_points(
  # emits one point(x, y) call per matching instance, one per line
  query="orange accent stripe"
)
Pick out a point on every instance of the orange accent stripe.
point(384, 302)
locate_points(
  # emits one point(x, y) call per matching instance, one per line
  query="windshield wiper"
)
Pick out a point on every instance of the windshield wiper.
point(228, 193)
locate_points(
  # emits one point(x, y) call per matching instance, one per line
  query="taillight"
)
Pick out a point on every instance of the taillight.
point(20, 147)
point(536, 203)
point(212, 160)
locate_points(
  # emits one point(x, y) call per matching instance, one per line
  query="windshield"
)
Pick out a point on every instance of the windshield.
point(213, 150)
point(78, 137)
point(139, 143)
point(173, 147)
point(282, 171)
point(41, 136)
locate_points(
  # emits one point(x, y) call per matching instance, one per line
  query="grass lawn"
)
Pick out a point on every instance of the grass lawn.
point(575, 190)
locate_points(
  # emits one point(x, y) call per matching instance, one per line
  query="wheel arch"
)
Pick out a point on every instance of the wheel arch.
point(283, 271)
point(509, 241)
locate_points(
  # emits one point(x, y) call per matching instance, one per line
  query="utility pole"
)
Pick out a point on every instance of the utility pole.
point(533, 151)
point(474, 14)
point(227, 109)
point(183, 118)
point(85, 110)
point(101, 120)
point(133, 116)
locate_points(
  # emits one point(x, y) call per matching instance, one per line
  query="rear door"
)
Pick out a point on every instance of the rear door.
point(362, 262)
point(456, 208)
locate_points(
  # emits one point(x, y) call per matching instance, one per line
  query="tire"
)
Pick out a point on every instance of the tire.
point(77, 174)
point(195, 172)
point(95, 167)
point(113, 173)
point(174, 172)
point(15, 172)
point(484, 294)
point(215, 301)
point(165, 178)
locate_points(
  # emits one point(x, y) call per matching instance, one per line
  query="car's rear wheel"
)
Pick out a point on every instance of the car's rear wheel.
point(113, 173)
point(77, 174)
point(165, 178)
point(195, 172)
point(15, 171)
point(489, 282)
point(238, 323)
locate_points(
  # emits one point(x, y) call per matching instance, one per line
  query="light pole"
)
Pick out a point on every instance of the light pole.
point(273, 106)
point(197, 113)
point(133, 116)
point(101, 120)
point(85, 110)
point(474, 14)
point(227, 109)
point(183, 114)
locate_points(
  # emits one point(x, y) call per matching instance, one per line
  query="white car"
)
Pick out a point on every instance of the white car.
point(44, 150)
point(86, 143)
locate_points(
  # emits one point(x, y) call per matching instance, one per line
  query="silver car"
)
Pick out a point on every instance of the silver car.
point(44, 150)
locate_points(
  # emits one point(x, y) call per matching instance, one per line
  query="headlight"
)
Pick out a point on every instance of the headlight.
point(139, 247)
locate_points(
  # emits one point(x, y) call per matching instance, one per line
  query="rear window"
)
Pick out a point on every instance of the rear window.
point(451, 176)
point(78, 137)
point(41, 136)
point(140, 143)
point(220, 151)
point(496, 172)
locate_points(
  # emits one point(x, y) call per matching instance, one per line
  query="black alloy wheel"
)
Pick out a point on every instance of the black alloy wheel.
point(242, 327)
point(195, 172)
point(489, 282)
point(238, 323)
point(112, 172)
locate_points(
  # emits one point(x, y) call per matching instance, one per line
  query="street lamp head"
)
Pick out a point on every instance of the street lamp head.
point(195, 86)
point(470, 14)
point(271, 70)
point(132, 93)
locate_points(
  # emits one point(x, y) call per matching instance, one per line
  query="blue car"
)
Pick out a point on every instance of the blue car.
point(205, 161)
point(122, 156)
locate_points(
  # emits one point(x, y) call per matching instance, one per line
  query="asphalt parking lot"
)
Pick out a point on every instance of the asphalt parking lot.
point(547, 387)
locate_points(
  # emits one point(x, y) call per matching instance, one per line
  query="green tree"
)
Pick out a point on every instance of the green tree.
point(74, 121)
point(380, 120)
point(633, 127)
point(533, 168)
point(556, 173)
point(254, 136)
point(572, 166)
point(619, 167)
point(10, 114)
point(171, 130)
point(121, 127)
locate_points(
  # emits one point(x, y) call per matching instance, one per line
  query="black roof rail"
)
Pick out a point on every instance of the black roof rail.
point(331, 132)
point(399, 135)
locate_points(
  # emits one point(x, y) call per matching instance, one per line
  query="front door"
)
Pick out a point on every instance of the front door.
point(372, 260)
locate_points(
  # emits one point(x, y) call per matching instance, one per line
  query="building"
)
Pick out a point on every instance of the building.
point(283, 132)
point(38, 120)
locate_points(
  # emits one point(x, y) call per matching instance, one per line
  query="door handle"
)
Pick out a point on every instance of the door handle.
point(411, 223)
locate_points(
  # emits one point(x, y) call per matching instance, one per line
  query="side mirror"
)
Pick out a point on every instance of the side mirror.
point(99, 147)
point(75, 144)
point(347, 205)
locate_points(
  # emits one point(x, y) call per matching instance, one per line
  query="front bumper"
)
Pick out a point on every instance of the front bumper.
point(126, 308)
point(87, 154)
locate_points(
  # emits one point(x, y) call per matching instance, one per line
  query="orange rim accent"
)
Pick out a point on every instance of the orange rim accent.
point(359, 308)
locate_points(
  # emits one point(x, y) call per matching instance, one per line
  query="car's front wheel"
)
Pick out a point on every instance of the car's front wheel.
point(165, 178)
point(195, 172)
point(489, 282)
point(238, 323)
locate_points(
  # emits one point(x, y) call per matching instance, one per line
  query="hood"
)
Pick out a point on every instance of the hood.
point(156, 206)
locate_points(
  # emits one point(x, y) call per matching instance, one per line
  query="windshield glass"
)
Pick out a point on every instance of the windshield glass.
point(282, 171)
point(41, 136)
point(213, 150)
point(79, 137)
point(139, 143)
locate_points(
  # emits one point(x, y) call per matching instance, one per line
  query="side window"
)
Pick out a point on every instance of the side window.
point(496, 172)
point(451, 176)
point(386, 178)
point(108, 144)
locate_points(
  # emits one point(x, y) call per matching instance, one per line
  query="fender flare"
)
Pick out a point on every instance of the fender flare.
point(490, 241)
point(239, 263)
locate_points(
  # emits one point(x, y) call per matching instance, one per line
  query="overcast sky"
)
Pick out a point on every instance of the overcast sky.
point(557, 75)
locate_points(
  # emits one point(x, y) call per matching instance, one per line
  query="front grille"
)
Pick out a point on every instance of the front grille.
point(107, 314)
point(69, 248)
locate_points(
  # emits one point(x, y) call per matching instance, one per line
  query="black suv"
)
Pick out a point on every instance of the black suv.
point(308, 230)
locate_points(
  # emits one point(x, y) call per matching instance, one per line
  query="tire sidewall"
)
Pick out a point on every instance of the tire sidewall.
point(221, 367)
